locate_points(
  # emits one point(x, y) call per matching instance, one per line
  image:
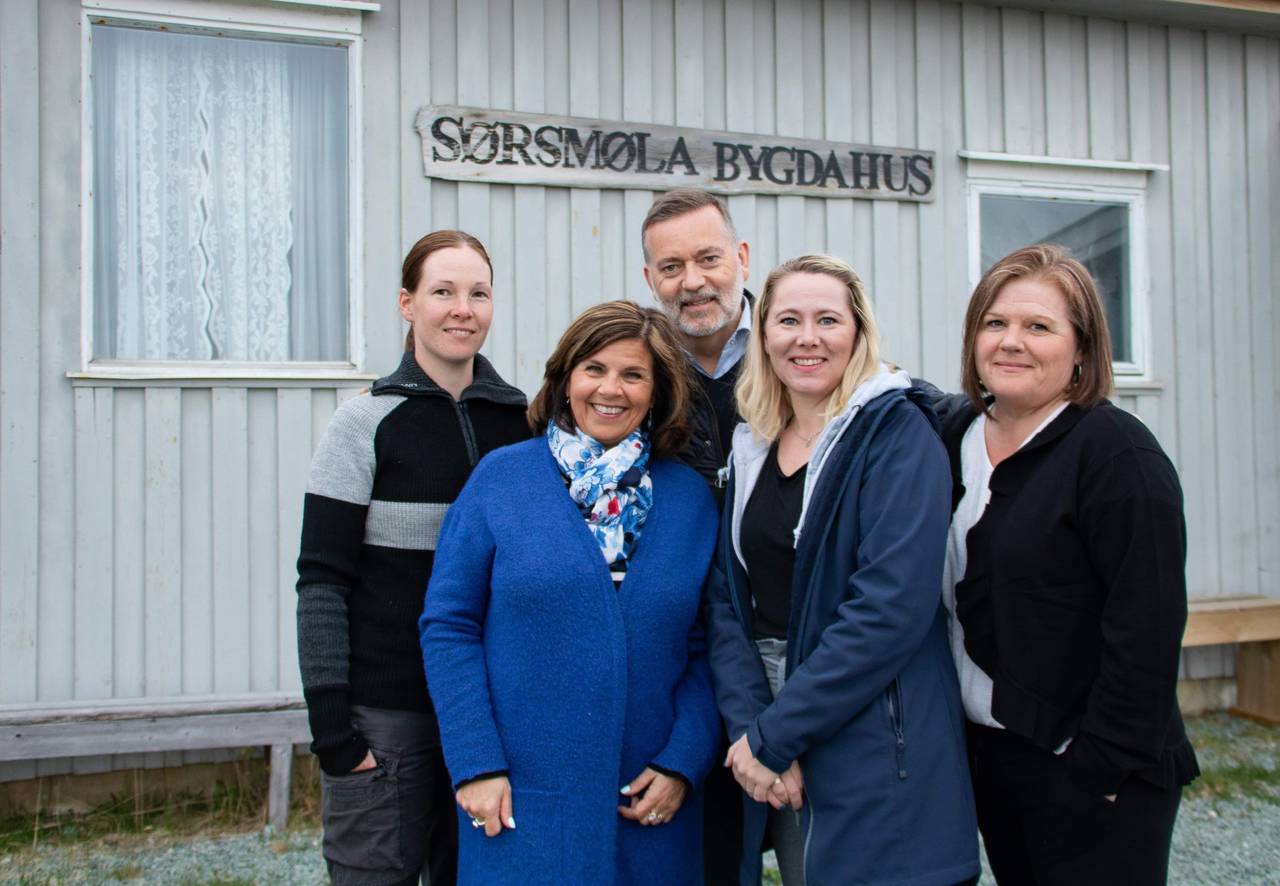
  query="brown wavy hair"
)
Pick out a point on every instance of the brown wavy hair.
point(598, 327)
point(411, 270)
point(1055, 265)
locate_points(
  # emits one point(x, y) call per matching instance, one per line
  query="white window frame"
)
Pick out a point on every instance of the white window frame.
point(1070, 179)
point(309, 21)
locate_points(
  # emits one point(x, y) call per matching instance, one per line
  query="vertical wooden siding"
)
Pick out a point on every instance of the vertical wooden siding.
point(147, 535)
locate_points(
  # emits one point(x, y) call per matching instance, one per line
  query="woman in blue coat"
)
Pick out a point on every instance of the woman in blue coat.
point(827, 634)
point(560, 634)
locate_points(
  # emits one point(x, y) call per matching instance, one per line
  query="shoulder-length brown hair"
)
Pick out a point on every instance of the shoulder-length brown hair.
point(1051, 264)
point(598, 327)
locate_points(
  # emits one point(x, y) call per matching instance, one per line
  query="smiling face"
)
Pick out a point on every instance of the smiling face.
point(610, 391)
point(809, 334)
point(696, 271)
point(451, 308)
point(1025, 350)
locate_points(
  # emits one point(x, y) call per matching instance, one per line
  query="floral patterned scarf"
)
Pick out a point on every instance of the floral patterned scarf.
point(611, 487)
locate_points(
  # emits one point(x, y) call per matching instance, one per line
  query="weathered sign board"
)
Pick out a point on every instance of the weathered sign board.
point(485, 145)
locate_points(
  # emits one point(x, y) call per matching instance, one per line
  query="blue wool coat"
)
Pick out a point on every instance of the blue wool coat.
point(537, 666)
point(870, 707)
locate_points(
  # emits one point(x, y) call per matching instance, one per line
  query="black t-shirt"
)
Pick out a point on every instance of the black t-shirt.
point(768, 544)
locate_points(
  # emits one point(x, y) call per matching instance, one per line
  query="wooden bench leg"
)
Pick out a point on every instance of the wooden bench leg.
point(1258, 680)
point(278, 790)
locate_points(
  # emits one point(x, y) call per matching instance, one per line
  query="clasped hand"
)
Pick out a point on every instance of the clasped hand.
point(761, 782)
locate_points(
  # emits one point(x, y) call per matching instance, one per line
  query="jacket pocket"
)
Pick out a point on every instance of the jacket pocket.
point(361, 816)
point(893, 703)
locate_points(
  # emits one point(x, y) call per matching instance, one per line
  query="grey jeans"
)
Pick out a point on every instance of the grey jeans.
point(395, 823)
point(785, 825)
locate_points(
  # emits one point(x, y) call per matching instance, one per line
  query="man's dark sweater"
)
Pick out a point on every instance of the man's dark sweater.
point(387, 469)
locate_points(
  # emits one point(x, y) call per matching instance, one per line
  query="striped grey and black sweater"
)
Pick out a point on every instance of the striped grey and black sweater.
point(386, 470)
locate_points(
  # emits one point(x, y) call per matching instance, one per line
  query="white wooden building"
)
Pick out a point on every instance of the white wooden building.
point(150, 508)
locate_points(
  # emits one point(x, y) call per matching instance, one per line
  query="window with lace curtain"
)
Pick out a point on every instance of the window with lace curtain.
point(219, 197)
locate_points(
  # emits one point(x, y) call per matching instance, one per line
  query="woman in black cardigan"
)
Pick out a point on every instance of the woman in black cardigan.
point(1065, 582)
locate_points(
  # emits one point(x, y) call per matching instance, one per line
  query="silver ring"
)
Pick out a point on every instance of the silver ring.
point(652, 816)
point(477, 822)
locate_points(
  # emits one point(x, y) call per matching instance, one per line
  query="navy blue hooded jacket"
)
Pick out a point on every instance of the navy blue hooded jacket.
point(870, 707)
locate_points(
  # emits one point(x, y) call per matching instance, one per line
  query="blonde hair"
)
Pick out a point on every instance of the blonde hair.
point(763, 402)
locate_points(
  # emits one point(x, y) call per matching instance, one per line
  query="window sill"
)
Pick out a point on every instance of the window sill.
point(213, 375)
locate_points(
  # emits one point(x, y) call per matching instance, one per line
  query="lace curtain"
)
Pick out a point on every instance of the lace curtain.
point(220, 198)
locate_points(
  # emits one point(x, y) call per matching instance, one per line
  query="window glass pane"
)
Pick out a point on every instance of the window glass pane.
point(1096, 233)
point(220, 197)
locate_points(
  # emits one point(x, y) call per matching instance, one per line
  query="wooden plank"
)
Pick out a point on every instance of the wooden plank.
point(94, 543)
point(59, 345)
point(1233, 416)
point(740, 68)
point(1194, 390)
point(637, 63)
point(810, 62)
point(293, 455)
point(689, 63)
point(529, 253)
point(162, 616)
point(558, 268)
point(884, 274)
point(931, 232)
point(1231, 620)
point(635, 205)
point(1019, 80)
point(610, 59)
point(1258, 681)
point(562, 61)
point(278, 788)
point(129, 554)
point(19, 357)
point(763, 67)
point(159, 734)
point(662, 81)
point(713, 65)
point(398, 191)
point(792, 240)
point(1108, 105)
point(1262, 119)
point(585, 21)
point(147, 708)
point(198, 491)
point(585, 284)
point(231, 615)
point(265, 592)
point(501, 346)
point(974, 36)
point(1149, 105)
point(616, 276)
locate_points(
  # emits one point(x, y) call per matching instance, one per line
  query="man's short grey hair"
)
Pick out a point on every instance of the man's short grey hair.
point(681, 201)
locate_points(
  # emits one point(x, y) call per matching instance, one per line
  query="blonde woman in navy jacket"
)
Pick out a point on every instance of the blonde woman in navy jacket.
point(1065, 572)
point(825, 623)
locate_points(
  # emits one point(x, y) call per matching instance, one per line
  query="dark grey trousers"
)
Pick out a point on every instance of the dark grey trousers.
point(394, 823)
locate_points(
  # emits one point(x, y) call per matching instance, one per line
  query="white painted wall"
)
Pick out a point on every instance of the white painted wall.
point(148, 533)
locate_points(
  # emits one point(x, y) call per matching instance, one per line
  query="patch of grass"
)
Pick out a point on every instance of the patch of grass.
point(236, 804)
point(217, 880)
point(1238, 758)
point(127, 872)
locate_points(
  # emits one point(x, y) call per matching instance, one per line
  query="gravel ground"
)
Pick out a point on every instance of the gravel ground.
point(1228, 832)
